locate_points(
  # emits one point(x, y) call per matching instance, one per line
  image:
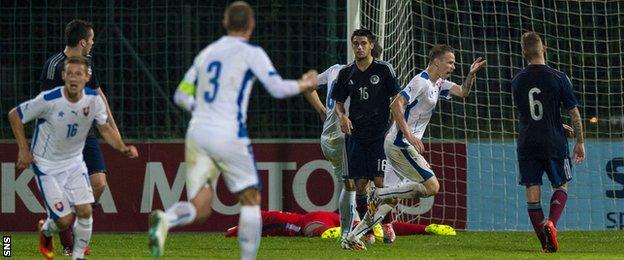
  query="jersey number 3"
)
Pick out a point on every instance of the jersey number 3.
point(214, 70)
point(537, 110)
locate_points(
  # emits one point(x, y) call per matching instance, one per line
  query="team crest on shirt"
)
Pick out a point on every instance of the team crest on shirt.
point(85, 111)
point(374, 79)
point(59, 206)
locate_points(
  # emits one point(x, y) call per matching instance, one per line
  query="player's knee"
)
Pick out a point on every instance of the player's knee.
point(249, 197)
point(65, 222)
point(83, 211)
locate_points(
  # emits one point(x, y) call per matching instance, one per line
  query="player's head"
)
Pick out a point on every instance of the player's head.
point(532, 46)
point(76, 73)
point(79, 33)
point(442, 60)
point(239, 18)
point(363, 42)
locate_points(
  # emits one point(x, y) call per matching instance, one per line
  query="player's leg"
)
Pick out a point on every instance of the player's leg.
point(559, 173)
point(334, 150)
point(531, 177)
point(80, 194)
point(355, 172)
point(58, 208)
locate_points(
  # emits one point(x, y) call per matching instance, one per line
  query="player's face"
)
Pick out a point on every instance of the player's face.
point(75, 77)
point(446, 65)
point(362, 47)
point(88, 43)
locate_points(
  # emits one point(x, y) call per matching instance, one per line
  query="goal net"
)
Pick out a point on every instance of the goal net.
point(471, 142)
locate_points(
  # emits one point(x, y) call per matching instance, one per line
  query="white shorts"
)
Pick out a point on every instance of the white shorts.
point(64, 187)
point(334, 150)
point(207, 156)
point(405, 163)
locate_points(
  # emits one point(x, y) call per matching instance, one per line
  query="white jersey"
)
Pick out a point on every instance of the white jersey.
point(220, 80)
point(331, 126)
point(422, 96)
point(62, 126)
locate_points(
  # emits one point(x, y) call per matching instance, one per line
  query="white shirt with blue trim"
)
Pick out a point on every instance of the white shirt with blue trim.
point(61, 126)
point(422, 96)
point(331, 126)
point(222, 75)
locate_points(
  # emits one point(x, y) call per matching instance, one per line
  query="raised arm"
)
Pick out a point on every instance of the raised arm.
point(464, 89)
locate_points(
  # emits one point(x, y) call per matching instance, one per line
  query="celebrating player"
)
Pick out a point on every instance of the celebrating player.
point(370, 84)
point(79, 38)
point(411, 111)
point(64, 116)
point(540, 93)
point(223, 73)
point(332, 140)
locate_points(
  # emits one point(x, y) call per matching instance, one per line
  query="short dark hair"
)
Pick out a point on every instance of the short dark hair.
point(77, 60)
point(75, 31)
point(439, 50)
point(531, 44)
point(364, 32)
point(237, 16)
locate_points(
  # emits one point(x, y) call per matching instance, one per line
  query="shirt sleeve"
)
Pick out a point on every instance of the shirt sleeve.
point(263, 69)
point(323, 78)
point(392, 83)
point(567, 94)
point(34, 108)
point(412, 90)
point(185, 93)
point(101, 117)
point(445, 89)
point(340, 92)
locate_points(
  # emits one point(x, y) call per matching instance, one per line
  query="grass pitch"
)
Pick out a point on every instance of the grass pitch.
point(472, 245)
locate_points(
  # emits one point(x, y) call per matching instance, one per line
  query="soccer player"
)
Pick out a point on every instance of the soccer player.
point(411, 111)
point(216, 89)
point(79, 39)
point(540, 94)
point(370, 84)
point(332, 139)
point(325, 224)
point(64, 116)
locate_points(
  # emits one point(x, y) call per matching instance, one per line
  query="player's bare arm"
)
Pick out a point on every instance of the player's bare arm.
point(314, 100)
point(345, 123)
point(111, 119)
point(113, 138)
point(577, 126)
point(24, 156)
point(464, 89)
point(397, 108)
point(308, 81)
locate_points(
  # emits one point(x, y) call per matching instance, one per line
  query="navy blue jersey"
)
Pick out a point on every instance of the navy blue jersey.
point(540, 92)
point(51, 75)
point(370, 92)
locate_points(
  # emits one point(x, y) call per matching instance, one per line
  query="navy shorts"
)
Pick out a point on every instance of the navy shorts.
point(92, 155)
point(365, 161)
point(559, 171)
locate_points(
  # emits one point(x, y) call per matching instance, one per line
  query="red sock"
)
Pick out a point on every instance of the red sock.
point(387, 219)
point(557, 204)
point(537, 220)
point(67, 237)
point(405, 229)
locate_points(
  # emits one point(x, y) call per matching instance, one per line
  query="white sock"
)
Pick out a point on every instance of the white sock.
point(346, 208)
point(356, 215)
point(83, 227)
point(368, 223)
point(49, 228)
point(249, 231)
point(180, 213)
point(403, 191)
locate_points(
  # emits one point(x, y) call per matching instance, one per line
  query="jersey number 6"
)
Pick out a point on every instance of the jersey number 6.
point(214, 69)
point(537, 110)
